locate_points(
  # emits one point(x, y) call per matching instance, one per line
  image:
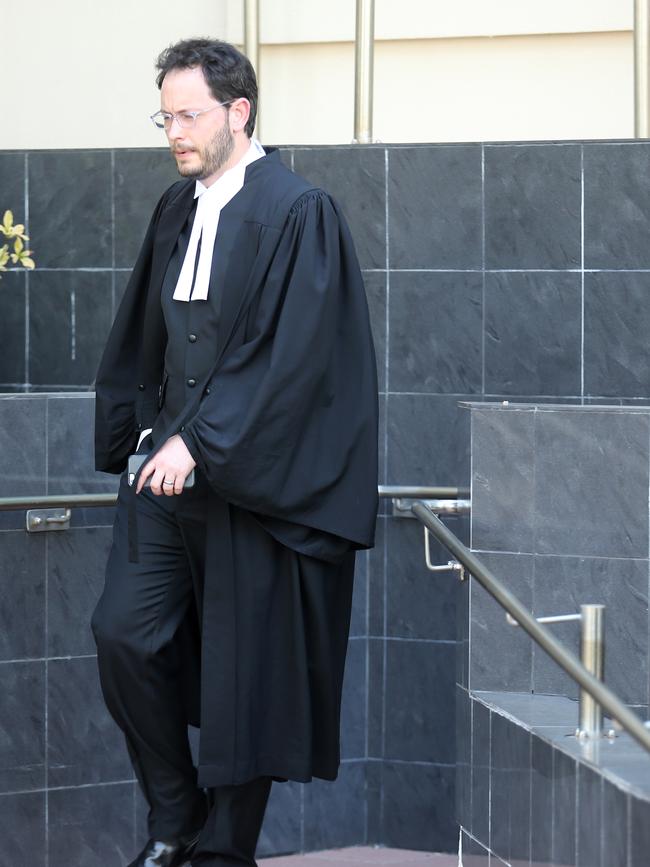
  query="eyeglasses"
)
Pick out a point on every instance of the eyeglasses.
point(185, 119)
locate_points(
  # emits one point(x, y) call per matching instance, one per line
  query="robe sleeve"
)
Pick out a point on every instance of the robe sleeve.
point(289, 426)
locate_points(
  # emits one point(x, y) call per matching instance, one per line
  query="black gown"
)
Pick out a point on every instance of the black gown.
point(284, 428)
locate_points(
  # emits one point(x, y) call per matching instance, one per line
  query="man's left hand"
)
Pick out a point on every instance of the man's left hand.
point(168, 468)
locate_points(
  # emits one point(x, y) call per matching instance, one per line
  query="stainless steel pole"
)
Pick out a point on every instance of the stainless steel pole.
point(642, 68)
point(592, 654)
point(363, 71)
point(252, 45)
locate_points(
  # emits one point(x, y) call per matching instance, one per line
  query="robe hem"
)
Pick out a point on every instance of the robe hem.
point(217, 774)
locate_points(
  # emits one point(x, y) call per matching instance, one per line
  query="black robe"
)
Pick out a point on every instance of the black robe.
point(284, 427)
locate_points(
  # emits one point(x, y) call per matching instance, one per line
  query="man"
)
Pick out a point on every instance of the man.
point(241, 351)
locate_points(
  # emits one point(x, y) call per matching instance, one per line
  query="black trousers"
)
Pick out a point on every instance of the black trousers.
point(146, 626)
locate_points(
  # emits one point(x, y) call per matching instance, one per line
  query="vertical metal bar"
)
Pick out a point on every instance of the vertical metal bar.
point(364, 71)
point(592, 652)
point(252, 45)
point(642, 68)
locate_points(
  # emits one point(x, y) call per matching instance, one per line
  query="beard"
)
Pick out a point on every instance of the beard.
point(211, 157)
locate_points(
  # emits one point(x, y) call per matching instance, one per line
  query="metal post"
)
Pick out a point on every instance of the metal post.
point(252, 45)
point(642, 68)
point(592, 653)
point(363, 71)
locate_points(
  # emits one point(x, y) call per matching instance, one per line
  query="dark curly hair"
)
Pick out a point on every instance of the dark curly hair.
point(228, 73)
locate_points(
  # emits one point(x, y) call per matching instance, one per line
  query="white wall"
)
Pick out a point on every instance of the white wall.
point(445, 70)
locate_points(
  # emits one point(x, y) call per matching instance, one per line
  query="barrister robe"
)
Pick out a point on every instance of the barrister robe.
point(284, 427)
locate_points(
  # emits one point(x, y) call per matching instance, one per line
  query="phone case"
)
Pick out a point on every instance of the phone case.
point(136, 461)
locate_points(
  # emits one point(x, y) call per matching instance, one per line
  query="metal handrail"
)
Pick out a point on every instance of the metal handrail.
point(86, 501)
point(364, 49)
point(537, 631)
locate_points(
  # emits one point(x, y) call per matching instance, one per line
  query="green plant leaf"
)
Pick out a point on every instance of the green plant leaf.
point(18, 246)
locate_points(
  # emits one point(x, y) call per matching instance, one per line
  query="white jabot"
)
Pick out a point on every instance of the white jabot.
point(206, 221)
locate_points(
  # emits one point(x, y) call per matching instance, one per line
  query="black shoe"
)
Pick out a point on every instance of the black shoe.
point(160, 854)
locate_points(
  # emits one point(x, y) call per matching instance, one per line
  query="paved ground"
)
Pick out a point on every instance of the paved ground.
point(358, 855)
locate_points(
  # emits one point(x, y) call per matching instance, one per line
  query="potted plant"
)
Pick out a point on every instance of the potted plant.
point(20, 255)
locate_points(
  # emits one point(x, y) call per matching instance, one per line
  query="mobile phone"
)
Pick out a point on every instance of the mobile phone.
point(136, 461)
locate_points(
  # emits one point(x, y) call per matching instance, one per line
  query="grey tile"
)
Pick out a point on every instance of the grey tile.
point(382, 450)
point(22, 446)
point(281, 829)
point(590, 799)
point(335, 811)
point(92, 826)
point(533, 334)
point(474, 854)
point(22, 829)
point(428, 440)
point(71, 456)
point(85, 745)
point(356, 177)
point(70, 208)
point(376, 649)
point(503, 460)
point(462, 634)
point(358, 620)
point(353, 705)
point(617, 320)
point(12, 184)
point(420, 604)
point(435, 332)
point(639, 832)
point(419, 807)
point(376, 579)
point(541, 794)
point(532, 206)
point(69, 321)
point(500, 654)
point(12, 325)
point(420, 685)
point(510, 790)
point(375, 283)
point(22, 726)
point(463, 757)
point(140, 179)
point(76, 567)
point(481, 725)
point(435, 207)
point(374, 782)
point(564, 809)
point(584, 459)
point(22, 596)
point(534, 710)
point(617, 207)
point(615, 826)
point(562, 584)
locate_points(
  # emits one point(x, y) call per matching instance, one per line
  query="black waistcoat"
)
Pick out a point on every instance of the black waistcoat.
point(191, 337)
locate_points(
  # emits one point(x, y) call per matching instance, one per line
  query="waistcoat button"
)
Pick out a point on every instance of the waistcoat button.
point(141, 387)
point(191, 383)
point(192, 338)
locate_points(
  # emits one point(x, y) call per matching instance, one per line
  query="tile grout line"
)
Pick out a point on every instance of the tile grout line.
point(483, 264)
point(582, 272)
point(112, 195)
point(27, 280)
point(382, 799)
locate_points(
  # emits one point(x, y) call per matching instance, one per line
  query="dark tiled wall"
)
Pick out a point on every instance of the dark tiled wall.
point(492, 271)
point(560, 513)
point(66, 785)
point(530, 796)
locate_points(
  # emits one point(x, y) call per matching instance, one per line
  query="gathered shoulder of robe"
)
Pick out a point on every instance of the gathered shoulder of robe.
point(284, 427)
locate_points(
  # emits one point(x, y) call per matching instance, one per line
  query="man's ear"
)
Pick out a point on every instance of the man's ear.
point(239, 114)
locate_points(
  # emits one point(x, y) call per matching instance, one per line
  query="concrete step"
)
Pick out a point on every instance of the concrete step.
point(360, 855)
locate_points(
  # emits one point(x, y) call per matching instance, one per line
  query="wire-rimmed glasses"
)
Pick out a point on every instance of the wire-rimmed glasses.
point(185, 119)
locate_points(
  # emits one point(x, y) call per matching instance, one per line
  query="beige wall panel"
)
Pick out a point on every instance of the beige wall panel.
point(87, 70)
point(293, 21)
point(514, 88)
point(307, 94)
